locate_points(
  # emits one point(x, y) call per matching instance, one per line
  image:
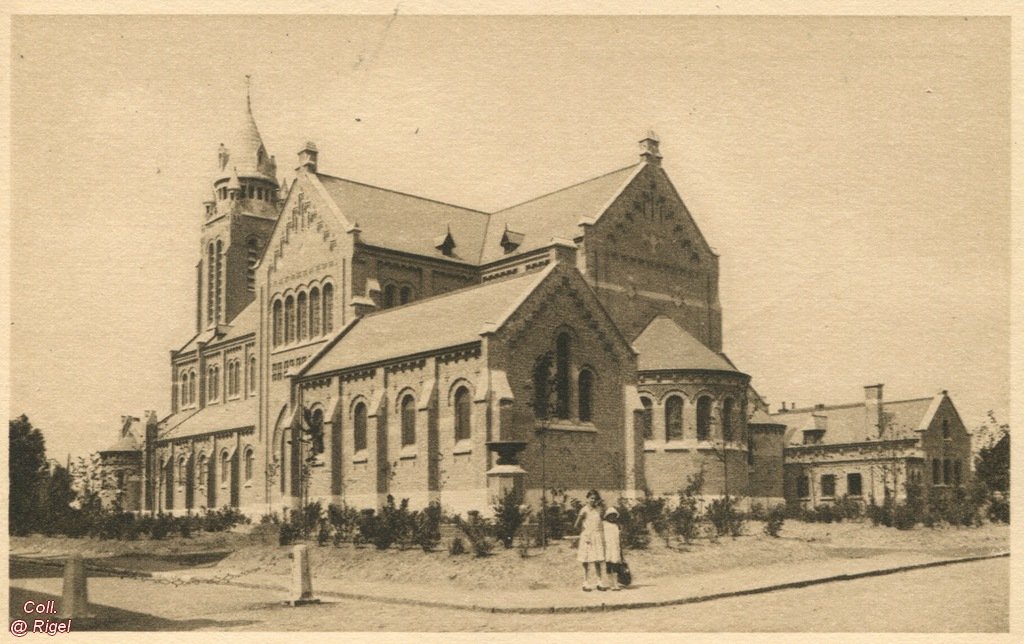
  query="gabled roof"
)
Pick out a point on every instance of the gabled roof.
point(405, 222)
point(132, 431)
point(243, 324)
point(230, 415)
point(451, 319)
point(556, 214)
point(848, 424)
point(665, 346)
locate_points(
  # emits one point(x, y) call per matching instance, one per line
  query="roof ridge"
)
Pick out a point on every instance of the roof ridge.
point(574, 185)
point(804, 410)
point(405, 194)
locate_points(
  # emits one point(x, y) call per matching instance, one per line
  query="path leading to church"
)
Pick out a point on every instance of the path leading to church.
point(914, 601)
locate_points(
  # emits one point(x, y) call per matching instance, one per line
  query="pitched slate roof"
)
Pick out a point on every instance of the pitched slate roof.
point(234, 414)
point(405, 222)
point(129, 440)
point(847, 424)
point(451, 319)
point(556, 214)
point(243, 324)
point(664, 345)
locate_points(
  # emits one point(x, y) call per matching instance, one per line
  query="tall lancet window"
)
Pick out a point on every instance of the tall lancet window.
point(211, 288)
point(563, 383)
point(328, 308)
point(220, 282)
point(314, 312)
point(252, 251)
point(301, 312)
point(289, 320)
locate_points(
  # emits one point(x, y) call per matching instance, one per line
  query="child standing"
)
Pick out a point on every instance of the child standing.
point(612, 548)
point(591, 548)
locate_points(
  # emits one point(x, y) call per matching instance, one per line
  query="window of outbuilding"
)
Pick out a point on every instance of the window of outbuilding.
point(854, 484)
point(936, 472)
point(803, 487)
point(828, 485)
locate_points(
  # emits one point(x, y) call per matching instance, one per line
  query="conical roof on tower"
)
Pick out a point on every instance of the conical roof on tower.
point(243, 151)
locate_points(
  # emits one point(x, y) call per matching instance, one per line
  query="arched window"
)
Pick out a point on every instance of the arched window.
point(586, 395)
point(674, 418)
point(191, 387)
point(542, 387)
point(947, 472)
point(727, 420)
point(314, 312)
point(211, 288)
point(278, 324)
point(212, 384)
point(945, 428)
point(250, 458)
point(562, 378)
point(251, 376)
point(647, 418)
point(225, 467)
point(463, 413)
point(300, 313)
point(405, 295)
point(204, 470)
point(316, 431)
point(703, 418)
point(180, 474)
point(289, 320)
point(359, 428)
point(408, 420)
point(328, 308)
point(389, 297)
point(252, 257)
point(183, 389)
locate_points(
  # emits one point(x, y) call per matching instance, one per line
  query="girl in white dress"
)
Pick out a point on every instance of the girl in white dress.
point(591, 548)
point(612, 548)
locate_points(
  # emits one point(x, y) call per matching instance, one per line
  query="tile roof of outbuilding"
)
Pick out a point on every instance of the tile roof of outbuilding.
point(665, 346)
point(451, 319)
point(847, 424)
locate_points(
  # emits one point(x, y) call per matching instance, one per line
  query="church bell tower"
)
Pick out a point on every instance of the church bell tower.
point(237, 223)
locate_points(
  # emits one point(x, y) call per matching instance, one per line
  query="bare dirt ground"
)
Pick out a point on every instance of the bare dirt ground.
point(553, 567)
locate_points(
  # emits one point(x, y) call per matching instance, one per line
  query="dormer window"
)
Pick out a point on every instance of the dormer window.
point(445, 243)
point(813, 436)
point(511, 240)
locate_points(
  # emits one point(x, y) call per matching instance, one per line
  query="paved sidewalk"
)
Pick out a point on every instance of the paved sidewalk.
point(645, 593)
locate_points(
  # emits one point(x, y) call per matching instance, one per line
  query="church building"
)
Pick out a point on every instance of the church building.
point(353, 342)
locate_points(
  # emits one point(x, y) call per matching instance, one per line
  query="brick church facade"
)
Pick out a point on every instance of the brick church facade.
point(353, 342)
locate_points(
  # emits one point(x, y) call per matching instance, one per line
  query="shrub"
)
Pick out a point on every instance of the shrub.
point(426, 527)
point(457, 546)
point(652, 512)
point(162, 525)
point(559, 514)
point(999, 508)
point(724, 516)
point(478, 531)
point(757, 512)
point(508, 517)
point(773, 520)
point(903, 516)
point(633, 532)
point(343, 521)
point(286, 534)
point(685, 519)
point(845, 508)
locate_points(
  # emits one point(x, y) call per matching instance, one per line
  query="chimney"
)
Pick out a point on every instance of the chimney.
point(307, 157)
point(820, 421)
point(649, 148)
point(783, 406)
point(873, 411)
point(363, 305)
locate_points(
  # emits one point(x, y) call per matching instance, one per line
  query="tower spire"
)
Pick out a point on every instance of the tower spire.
point(248, 96)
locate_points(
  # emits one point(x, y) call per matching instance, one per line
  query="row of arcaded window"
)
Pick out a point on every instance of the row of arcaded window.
point(674, 418)
point(187, 382)
point(304, 316)
point(394, 295)
point(248, 192)
point(827, 485)
point(407, 414)
point(553, 389)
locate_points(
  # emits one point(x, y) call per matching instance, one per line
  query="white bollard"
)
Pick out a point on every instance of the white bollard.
point(75, 602)
point(302, 579)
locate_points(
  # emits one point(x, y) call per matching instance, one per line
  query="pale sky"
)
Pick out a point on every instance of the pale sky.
point(852, 173)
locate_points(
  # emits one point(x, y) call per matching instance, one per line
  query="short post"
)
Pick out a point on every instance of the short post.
point(302, 579)
point(75, 602)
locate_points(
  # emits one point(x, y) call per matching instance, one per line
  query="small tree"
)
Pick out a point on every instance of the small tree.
point(27, 474)
point(992, 461)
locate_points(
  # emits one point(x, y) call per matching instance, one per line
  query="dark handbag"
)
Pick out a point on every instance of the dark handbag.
point(624, 575)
